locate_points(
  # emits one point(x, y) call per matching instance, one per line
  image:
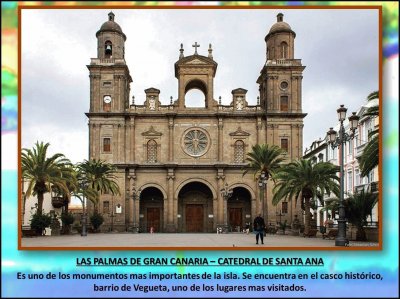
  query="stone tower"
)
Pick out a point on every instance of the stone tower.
point(280, 84)
point(109, 74)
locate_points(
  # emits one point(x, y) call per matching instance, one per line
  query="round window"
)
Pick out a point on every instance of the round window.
point(195, 142)
point(284, 85)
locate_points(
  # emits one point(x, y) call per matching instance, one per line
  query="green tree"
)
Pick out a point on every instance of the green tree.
point(42, 172)
point(99, 176)
point(358, 207)
point(304, 179)
point(370, 156)
point(265, 159)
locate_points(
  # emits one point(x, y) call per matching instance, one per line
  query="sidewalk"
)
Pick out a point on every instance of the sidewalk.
point(103, 241)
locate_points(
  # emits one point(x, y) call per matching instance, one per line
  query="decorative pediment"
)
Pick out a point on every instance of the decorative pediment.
point(239, 90)
point(239, 132)
point(151, 132)
point(152, 90)
point(196, 61)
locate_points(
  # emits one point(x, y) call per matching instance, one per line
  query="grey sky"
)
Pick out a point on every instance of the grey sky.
point(338, 47)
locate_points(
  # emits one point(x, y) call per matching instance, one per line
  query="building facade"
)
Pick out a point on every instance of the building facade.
point(172, 160)
point(321, 151)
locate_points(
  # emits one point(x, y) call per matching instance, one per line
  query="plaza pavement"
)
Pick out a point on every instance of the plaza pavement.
point(181, 240)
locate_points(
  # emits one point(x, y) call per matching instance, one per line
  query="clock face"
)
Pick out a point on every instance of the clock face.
point(107, 99)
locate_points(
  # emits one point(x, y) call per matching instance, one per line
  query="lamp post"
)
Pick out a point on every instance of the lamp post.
point(262, 183)
point(226, 193)
point(135, 195)
point(339, 141)
point(84, 186)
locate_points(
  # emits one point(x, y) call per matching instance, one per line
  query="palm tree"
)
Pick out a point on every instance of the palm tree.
point(370, 156)
point(265, 159)
point(308, 180)
point(358, 207)
point(100, 177)
point(42, 172)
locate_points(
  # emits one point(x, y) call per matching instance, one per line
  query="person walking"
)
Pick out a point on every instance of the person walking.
point(259, 227)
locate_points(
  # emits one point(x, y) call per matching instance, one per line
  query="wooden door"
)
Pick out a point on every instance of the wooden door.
point(194, 218)
point(153, 219)
point(235, 218)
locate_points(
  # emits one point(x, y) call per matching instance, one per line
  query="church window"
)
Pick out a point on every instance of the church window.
point(195, 143)
point(285, 144)
point(238, 151)
point(152, 151)
point(106, 207)
point(284, 103)
point(108, 49)
point(107, 145)
point(284, 207)
point(284, 50)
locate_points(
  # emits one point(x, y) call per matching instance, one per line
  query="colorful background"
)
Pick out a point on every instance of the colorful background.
point(385, 262)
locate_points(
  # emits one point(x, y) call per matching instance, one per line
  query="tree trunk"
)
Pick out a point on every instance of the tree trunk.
point(40, 197)
point(307, 216)
point(66, 228)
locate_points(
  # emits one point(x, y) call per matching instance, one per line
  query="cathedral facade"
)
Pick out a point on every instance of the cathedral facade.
point(174, 162)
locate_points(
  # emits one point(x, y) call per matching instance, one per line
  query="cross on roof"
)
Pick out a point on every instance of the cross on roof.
point(195, 48)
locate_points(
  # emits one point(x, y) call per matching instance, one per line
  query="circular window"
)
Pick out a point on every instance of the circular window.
point(195, 142)
point(284, 85)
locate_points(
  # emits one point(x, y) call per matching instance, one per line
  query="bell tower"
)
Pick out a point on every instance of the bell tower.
point(109, 74)
point(280, 86)
point(196, 72)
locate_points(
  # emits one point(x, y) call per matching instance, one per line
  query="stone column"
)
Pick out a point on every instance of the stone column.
point(170, 225)
point(220, 200)
point(171, 139)
point(220, 139)
point(132, 139)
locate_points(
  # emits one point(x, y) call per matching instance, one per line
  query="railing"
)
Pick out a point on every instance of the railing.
point(288, 62)
point(98, 61)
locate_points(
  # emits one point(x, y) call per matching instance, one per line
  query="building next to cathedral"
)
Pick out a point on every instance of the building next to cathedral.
point(173, 161)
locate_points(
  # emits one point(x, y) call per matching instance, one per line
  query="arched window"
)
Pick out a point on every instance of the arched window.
point(108, 49)
point(238, 151)
point(152, 151)
point(284, 50)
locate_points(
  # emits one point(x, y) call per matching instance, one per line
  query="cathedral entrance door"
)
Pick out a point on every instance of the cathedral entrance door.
point(194, 218)
point(153, 219)
point(235, 219)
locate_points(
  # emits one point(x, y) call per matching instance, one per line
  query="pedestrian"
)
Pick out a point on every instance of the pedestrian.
point(259, 227)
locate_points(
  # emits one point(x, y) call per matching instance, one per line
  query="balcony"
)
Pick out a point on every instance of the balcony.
point(284, 62)
point(360, 149)
point(106, 61)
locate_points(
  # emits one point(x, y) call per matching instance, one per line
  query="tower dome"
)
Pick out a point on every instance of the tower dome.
point(280, 40)
point(280, 26)
point(110, 26)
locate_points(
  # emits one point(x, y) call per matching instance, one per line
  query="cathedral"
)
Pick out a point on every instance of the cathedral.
point(180, 169)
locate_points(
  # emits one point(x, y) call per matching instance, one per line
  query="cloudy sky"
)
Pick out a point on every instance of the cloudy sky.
point(338, 47)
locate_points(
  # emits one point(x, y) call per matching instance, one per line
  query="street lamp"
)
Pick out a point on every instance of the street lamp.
point(226, 193)
point(84, 186)
point(339, 141)
point(135, 195)
point(262, 183)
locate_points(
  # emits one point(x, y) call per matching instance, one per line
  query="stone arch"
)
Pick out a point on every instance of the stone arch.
point(245, 186)
point(151, 208)
point(194, 180)
point(157, 186)
point(239, 207)
point(196, 84)
point(195, 204)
